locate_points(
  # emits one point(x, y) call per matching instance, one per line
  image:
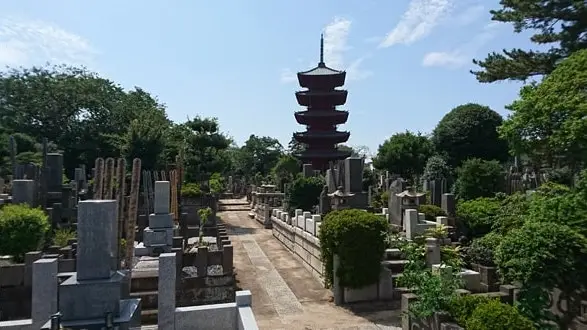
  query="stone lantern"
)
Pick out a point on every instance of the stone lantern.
point(340, 199)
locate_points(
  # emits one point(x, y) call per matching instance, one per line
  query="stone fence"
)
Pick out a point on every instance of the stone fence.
point(263, 204)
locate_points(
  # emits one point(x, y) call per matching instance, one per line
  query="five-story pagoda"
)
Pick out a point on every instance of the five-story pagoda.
point(321, 117)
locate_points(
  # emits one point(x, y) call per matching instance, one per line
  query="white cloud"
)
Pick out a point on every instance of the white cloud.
point(336, 47)
point(470, 15)
point(421, 17)
point(26, 42)
point(463, 54)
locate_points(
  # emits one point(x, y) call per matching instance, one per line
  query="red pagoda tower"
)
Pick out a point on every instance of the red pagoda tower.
point(321, 118)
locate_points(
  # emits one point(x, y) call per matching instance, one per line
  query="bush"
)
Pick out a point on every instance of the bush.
point(23, 229)
point(461, 307)
point(481, 251)
point(304, 193)
point(431, 211)
point(479, 178)
point(216, 183)
point(511, 213)
point(358, 238)
point(495, 315)
point(475, 217)
point(191, 190)
point(62, 236)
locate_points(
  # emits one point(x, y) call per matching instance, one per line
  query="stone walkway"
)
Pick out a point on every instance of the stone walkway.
point(285, 294)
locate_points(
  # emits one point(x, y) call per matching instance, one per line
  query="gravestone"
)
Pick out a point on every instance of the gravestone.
point(394, 204)
point(92, 297)
point(353, 175)
point(307, 170)
point(23, 191)
point(54, 172)
point(158, 237)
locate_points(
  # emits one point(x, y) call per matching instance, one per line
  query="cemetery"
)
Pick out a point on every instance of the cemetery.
point(113, 216)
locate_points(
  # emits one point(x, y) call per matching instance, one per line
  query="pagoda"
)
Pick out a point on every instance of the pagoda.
point(321, 118)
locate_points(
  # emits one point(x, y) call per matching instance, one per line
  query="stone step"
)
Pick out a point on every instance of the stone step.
point(148, 316)
point(396, 266)
point(144, 282)
point(148, 299)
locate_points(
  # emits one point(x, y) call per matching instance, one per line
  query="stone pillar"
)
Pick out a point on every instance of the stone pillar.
point(96, 239)
point(432, 252)
point(54, 172)
point(23, 191)
point(166, 291)
point(448, 204)
point(44, 291)
point(353, 175)
point(307, 170)
point(411, 223)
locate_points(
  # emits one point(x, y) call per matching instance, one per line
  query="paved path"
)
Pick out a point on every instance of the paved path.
point(285, 294)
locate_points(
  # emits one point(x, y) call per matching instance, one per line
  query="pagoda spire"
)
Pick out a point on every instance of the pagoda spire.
point(321, 63)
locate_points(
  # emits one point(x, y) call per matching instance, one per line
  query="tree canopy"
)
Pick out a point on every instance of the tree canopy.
point(404, 154)
point(469, 131)
point(561, 25)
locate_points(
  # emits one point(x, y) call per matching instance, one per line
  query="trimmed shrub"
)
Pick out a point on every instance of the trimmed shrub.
point(431, 211)
point(475, 217)
point(191, 190)
point(304, 193)
point(495, 315)
point(358, 238)
point(481, 251)
point(461, 307)
point(479, 178)
point(62, 236)
point(23, 229)
point(436, 168)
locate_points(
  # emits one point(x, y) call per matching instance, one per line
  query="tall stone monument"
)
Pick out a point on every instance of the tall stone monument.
point(158, 237)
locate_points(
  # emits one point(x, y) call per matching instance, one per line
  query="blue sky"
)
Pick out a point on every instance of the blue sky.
point(407, 61)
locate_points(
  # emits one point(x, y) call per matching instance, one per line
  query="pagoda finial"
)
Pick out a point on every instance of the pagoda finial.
point(321, 63)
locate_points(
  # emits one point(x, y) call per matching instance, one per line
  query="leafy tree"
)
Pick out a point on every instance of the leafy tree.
point(205, 147)
point(286, 169)
point(469, 131)
point(548, 119)
point(436, 169)
point(404, 154)
point(260, 155)
point(560, 24)
point(294, 147)
point(144, 140)
point(479, 178)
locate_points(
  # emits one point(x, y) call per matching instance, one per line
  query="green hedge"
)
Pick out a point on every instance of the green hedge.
point(22, 229)
point(358, 238)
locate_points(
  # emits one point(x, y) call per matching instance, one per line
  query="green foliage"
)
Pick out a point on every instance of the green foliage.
point(304, 193)
point(482, 250)
point(144, 139)
point(404, 154)
point(461, 307)
point(23, 229)
point(436, 169)
point(191, 190)
point(475, 217)
point(547, 121)
point(495, 315)
point(62, 236)
point(204, 214)
point(543, 256)
point(512, 213)
point(259, 155)
point(479, 178)
point(358, 238)
point(368, 178)
point(557, 204)
point(216, 183)
point(469, 131)
point(556, 25)
point(380, 199)
point(285, 169)
point(431, 211)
